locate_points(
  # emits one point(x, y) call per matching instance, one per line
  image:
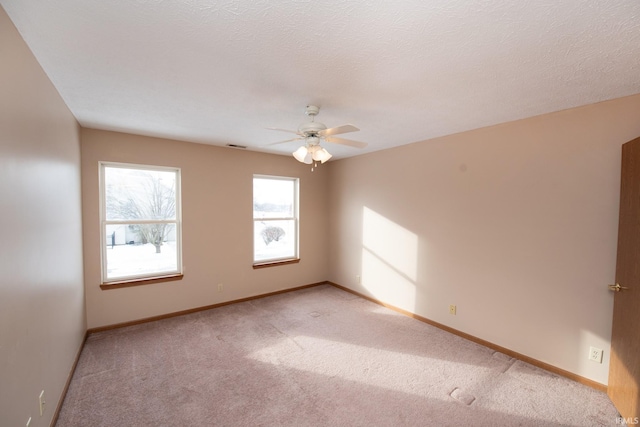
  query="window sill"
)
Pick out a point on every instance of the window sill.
point(140, 282)
point(275, 263)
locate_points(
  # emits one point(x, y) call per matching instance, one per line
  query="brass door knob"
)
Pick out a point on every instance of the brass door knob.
point(617, 288)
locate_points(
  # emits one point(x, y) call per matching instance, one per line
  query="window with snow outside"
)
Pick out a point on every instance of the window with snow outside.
point(140, 222)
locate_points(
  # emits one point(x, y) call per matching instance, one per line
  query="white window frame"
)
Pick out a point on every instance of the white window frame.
point(104, 223)
point(295, 217)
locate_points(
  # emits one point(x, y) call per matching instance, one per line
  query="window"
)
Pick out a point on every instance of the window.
point(140, 222)
point(275, 219)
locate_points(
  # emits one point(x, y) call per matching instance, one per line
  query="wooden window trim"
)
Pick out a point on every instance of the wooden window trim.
point(139, 282)
point(275, 263)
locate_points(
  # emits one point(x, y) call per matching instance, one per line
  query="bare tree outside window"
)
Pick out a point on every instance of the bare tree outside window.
point(154, 198)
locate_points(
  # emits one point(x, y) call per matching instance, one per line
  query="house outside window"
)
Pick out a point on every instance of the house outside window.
point(275, 219)
point(140, 220)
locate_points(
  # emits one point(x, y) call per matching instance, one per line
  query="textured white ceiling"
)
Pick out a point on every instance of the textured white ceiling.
point(220, 72)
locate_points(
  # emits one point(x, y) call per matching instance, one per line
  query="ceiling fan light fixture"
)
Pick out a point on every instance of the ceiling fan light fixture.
point(310, 153)
point(300, 154)
point(321, 155)
point(308, 159)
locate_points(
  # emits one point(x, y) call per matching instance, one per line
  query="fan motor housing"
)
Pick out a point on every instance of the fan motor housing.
point(311, 128)
point(312, 140)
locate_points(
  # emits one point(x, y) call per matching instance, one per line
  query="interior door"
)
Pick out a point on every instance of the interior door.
point(624, 370)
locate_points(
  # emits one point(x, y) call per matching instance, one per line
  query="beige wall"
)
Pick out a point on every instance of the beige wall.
point(217, 226)
point(515, 224)
point(42, 320)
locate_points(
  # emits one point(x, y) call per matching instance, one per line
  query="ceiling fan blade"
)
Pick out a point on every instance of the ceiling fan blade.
point(286, 130)
point(350, 143)
point(338, 130)
point(282, 142)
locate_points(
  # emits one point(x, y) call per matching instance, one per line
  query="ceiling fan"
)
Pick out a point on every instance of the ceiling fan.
point(312, 133)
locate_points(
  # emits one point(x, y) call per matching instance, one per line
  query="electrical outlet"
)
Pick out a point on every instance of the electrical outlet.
point(42, 402)
point(452, 309)
point(595, 354)
point(220, 287)
point(358, 279)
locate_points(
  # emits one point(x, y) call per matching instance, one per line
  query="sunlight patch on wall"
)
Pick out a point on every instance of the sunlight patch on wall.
point(389, 260)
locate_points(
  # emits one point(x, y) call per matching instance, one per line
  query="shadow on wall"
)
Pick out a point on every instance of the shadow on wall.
point(389, 260)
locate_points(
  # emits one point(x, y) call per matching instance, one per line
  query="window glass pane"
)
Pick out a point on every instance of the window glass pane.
point(273, 198)
point(274, 240)
point(139, 194)
point(140, 249)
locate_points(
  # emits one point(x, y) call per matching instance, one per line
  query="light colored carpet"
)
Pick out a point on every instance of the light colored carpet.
point(313, 357)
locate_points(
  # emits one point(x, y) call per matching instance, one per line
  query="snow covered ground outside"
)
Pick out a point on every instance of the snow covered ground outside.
point(135, 260)
point(142, 259)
